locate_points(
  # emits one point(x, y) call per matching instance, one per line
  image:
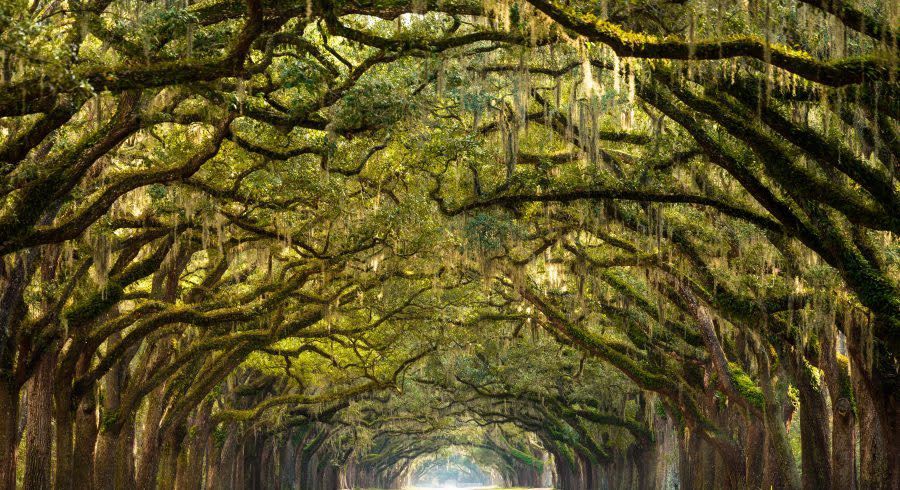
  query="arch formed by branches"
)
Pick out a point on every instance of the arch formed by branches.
point(331, 244)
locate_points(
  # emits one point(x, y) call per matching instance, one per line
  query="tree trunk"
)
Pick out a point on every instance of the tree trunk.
point(776, 434)
point(9, 407)
point(876, 399)
point(225, 464)
point(65, 464)
point(814, 437)
point(105, 461)
point(125, 471)
point(191, 477)
point(872, 463)
point(755, 453)
point(39, 436)
point(148, 462)
point(843, 418)
point(168, 464)
point(886, 398)
point(213, 465)
point(887, 413)
point(287, 470)
point(238, 477)
point(181, 469)
point(85, 441)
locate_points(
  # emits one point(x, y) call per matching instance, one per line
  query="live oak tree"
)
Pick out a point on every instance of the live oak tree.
point(326, 244)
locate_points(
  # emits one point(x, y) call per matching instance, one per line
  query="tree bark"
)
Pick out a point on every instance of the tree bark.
point(148, 462)
point(168, 464)
point(9, 407)
point(114, 454)
point(814, 437)
point(85, 442)
point(287, 470)
point(39, 436)
point(125, 471)
point(191, 478)
point(65, 464)
point(779, 449)
point(225, 465)
point(872, 461)
point(843, 418)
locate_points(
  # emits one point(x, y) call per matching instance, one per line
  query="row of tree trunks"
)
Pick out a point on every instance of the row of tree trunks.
point(838, 409)
point(96, 457)
point(262, 462)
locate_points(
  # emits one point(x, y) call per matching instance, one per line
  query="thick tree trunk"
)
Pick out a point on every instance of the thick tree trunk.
point(239, 475)
point(213, 465)
point(108, 439)
point(814, 438)
point(70, 417)
point(225, 466)
point(887, 410)
point(39, 435)
point(568, 473)
point(181, 468)
point(85, 441)
point(287, 470)
point(843, 451)
point(12, 310)
point(878, 414)
point(711, 470)
point(105, 461)
point(755, 455)
point(886, 402)
point(872, 444)
point(65, 449)
point(686, 467)
point(125, 471)
point(148, 461)
point(191, 475)
point(114, 458)
point(9, 407)
point(646, 474)
point(264, 458)
point(776, 433)
point(843, 418)
point(168, 464)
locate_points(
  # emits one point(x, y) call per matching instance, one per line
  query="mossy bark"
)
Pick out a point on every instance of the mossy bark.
point(782, 459)
point(814, 431)
point(39, 430)
point(197, 449)
point(85, 442)
point(149, 448)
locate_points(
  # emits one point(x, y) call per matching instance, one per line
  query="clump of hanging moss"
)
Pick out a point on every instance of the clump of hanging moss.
point(846, 384)
point(746, 387)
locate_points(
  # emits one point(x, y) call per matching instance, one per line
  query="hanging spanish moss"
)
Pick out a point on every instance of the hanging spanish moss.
point(489, 244)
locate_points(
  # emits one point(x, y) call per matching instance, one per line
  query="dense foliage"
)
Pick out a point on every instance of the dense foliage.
point(347, 243)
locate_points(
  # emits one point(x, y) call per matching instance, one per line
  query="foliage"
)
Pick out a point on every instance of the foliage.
point(503, 237)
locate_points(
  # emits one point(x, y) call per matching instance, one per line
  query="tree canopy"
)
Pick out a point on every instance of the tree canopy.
point(260, 244)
